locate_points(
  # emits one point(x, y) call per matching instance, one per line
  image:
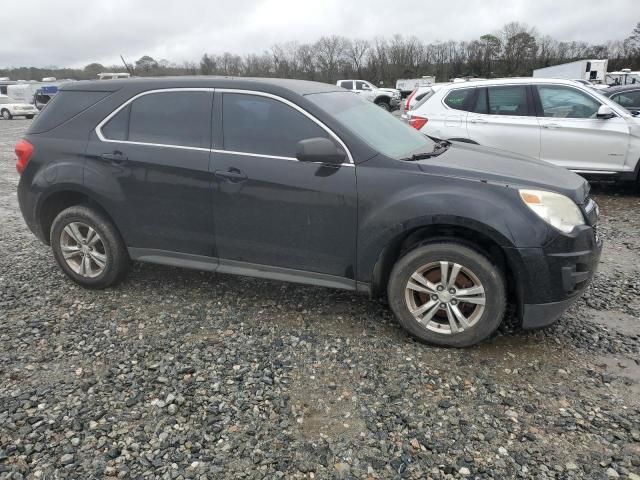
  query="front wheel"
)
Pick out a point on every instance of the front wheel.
point(88, 248)
point(29, 117)
point(384, 105)
point(447, 294)
point(6, 114)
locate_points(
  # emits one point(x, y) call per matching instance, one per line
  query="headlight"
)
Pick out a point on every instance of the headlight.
point(555, 209)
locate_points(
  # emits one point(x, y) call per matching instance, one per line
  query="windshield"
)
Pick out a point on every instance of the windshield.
point(377, 127)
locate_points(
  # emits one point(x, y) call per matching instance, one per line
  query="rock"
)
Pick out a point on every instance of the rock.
point(66, 459)
point(464, 471)
point(342, 470)
point(611, 473)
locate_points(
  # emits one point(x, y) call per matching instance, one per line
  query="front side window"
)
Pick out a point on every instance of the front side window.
point(458, 99)
point(362, 86)
point(507, 100)
point(348, 84)
point(559, 101)
point(164, 118)
point(262, 125)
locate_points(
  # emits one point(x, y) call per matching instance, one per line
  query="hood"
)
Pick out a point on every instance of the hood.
point(491, 165)
point(389, 90)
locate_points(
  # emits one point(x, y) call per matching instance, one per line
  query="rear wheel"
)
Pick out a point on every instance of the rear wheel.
point(88, 247)
point(447, 294)
point(6, 114)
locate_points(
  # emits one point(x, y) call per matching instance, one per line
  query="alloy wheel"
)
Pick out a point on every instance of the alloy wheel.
point(445, 297)
point(83, 249)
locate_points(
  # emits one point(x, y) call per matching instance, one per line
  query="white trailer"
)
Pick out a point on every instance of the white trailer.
point(408, 85)
point(593, 71)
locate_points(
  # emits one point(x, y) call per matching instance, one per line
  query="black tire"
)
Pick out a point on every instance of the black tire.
point(489, 275)
point(111, 245)
point(29, 117)
point(6, 114)
point(384, 104)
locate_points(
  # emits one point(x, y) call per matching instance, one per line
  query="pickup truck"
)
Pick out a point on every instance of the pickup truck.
point(387, 98)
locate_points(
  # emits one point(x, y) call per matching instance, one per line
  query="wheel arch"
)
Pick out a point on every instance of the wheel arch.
point(469, 233)
point(51, 204)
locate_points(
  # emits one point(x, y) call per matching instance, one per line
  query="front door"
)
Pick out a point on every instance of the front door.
point(573, 137)
point(271, 211)
point(152, 168)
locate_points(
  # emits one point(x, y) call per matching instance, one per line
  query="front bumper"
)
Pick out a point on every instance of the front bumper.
point(552, 278)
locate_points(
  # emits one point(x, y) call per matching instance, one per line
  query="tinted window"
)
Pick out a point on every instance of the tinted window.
point(458, 98)
point(255, 124)
point(628, 99)
point(64, 106)
point(481, 105)
point(566, 102)
point(362, 86)
point(171, 118)
point(118, 127)
point(348, 84)
point(508, 100)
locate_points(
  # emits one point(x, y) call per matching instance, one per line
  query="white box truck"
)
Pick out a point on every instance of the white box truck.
point(592, 71)
point(408, 85)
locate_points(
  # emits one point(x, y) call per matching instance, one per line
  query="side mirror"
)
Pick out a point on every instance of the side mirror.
point(605, 112)
point(320, 150)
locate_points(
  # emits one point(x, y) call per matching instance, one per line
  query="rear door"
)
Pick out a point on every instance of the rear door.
point(272, 211)
point(573, 137)
point(503, 117)
point(150, 162)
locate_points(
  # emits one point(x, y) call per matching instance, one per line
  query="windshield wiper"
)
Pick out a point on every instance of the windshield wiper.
point(440, 147)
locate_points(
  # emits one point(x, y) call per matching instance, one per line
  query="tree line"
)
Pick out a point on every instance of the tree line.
point(515, 50)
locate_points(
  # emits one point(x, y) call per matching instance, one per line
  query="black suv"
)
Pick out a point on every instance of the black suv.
point(304, 182)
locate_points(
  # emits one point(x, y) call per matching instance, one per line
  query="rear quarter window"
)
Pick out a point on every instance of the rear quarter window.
point(63, 107)
point(458, 99)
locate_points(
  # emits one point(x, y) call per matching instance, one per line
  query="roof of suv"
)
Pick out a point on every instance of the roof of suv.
point(300, 87)
point(620, 88)
point(511, 81)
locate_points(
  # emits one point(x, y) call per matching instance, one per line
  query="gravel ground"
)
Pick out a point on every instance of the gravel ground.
point(184, 374)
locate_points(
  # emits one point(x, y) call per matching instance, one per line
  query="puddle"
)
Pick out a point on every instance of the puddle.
point(614, 320)
point(626, 369)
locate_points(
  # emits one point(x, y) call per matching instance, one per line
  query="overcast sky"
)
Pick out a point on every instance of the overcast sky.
point(77, 32)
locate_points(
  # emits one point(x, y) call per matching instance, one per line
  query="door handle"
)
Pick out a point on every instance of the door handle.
point(115, 157)
point(232, 175)
point(551, 125)
point(477, 120)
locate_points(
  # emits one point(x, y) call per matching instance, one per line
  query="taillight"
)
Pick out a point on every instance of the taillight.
point(23, 150)
point(411, 95)
point(418, 122)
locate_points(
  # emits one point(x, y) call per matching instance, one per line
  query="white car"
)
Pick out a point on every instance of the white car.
point(387, 98)
point(559, 121)
point(10, 108)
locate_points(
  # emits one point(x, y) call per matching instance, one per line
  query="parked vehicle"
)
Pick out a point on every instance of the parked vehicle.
point(408, 85)
point(623, 77)
point(559, 121)
point(258, 177)
point(420, 95)
point(10, 108)
point(387, 98)
point(113, 76)
point(593, 71)
point(627, 96)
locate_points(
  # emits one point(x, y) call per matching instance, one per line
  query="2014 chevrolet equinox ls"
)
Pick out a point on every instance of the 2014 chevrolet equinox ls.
point(304, 182)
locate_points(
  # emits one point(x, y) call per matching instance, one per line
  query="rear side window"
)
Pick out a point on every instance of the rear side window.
point(458, 99)
point(508, 100)
point(65, 105)
point(255, 124)
point(347, 84)
point(164, 118)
